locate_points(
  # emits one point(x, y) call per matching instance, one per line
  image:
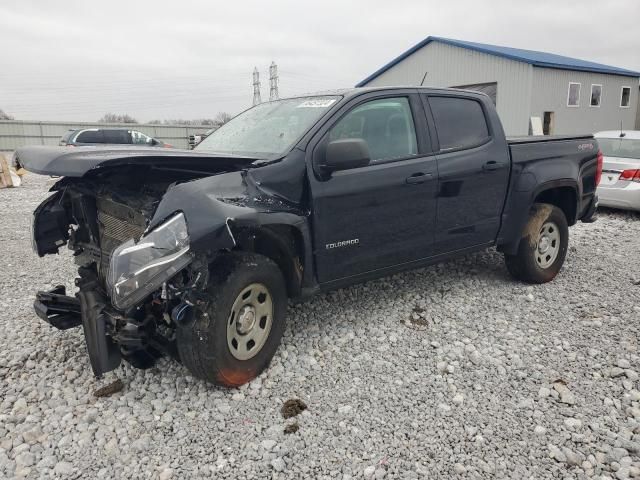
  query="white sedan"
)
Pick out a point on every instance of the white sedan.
point(620, 183)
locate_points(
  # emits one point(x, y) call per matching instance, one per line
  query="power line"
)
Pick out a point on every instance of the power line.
point(273, 82)
point(256, 86)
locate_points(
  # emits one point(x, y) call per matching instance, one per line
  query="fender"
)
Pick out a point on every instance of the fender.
point(215, 207)
point(521, 200)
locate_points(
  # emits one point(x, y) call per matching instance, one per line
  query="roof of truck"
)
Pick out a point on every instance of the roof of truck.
point(350, 92)
point(532, 57)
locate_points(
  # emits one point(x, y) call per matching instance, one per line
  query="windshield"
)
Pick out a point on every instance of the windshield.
point(268, 129)
point(620, 147)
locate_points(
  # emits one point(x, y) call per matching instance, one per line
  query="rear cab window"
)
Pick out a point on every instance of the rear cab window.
point(460, 122)
point(90, 136)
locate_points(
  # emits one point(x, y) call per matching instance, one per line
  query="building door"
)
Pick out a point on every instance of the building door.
point(547, 123)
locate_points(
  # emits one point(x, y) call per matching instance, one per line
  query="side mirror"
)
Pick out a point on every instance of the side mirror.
point(154, 142)
point(345, 154)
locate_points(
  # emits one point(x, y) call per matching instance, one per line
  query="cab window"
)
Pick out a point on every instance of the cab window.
point(460, 122)
point(385, 124)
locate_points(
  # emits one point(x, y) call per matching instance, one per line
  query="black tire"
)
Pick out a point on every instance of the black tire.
point(528, 265)
point(202, 343)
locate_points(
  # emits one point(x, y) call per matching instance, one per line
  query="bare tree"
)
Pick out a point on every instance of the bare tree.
point(221, 119)
point(181, 121)
point(5, 116)
point(116, 118)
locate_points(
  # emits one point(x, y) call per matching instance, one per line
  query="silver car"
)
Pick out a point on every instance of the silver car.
point(620, 183)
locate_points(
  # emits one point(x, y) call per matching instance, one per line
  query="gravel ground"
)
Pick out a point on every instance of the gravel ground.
point(449, 371)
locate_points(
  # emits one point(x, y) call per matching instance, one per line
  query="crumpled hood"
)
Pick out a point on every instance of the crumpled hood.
point(76, 162)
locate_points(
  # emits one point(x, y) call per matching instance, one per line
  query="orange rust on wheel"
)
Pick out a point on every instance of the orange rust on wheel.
point(235, 377)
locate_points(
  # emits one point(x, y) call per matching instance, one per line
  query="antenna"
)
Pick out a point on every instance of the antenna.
point(256, 87)
point(423, 78)
point(273, 82)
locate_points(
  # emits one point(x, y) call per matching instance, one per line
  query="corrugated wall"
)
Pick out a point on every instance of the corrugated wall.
point(14, 134)
point(638, 112)
point(448, 66)
point(550, 88)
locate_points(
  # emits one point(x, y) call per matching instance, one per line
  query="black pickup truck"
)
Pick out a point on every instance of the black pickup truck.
point(194, 254)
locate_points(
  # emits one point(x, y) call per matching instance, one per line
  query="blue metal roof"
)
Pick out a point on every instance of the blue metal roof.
point(538, 59)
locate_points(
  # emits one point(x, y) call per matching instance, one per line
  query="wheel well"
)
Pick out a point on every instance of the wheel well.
point(562, 197)
point(281, 243)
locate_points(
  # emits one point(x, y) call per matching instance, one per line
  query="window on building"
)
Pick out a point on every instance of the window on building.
point(596, 95)
point(625, 97)
point(386, 125)
point(573, 97)
point(90, 136)
point(460, 122)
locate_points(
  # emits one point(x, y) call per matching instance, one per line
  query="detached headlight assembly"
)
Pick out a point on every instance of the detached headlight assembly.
point(137, 269)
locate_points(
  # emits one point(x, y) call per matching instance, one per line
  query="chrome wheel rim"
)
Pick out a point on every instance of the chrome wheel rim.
point(250, 321)
point(548, 245)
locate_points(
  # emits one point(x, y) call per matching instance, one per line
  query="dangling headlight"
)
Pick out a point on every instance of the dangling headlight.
point(137, 269)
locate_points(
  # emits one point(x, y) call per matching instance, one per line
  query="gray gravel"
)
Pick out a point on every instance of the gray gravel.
point(449, 371)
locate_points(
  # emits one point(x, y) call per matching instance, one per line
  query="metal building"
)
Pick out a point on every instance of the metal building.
point(567, 95)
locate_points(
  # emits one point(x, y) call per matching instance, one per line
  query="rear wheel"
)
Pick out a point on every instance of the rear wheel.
point(234, 339)
point(543, 246)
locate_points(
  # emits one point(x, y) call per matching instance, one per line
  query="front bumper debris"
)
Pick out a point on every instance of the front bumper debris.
point(58, 309)
point(64, 312)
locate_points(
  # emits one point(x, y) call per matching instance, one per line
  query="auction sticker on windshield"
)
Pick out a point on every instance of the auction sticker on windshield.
point(317, 103)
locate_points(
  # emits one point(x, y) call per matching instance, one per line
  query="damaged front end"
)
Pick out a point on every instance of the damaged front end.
point(145, 227)
point(130, 279)
point(138, 272)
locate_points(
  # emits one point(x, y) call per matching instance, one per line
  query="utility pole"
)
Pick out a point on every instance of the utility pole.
point(256, 87)
point(273, 82)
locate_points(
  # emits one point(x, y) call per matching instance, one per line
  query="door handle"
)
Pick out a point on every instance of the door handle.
point(418, 178)
point(491, 165)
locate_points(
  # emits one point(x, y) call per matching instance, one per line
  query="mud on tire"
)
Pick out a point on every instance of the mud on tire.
point(543, 246)
point(243, 289)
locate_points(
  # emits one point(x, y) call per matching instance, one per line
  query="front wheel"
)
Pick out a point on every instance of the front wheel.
point(543, 246)
point(235, 338)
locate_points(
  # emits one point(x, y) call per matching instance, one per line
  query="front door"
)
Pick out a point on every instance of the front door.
point(382, 214)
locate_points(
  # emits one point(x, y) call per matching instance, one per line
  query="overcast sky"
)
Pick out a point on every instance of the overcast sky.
point(78, 59)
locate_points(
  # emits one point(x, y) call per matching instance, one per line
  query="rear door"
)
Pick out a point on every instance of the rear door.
point(473, 170)
point(380, 215)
